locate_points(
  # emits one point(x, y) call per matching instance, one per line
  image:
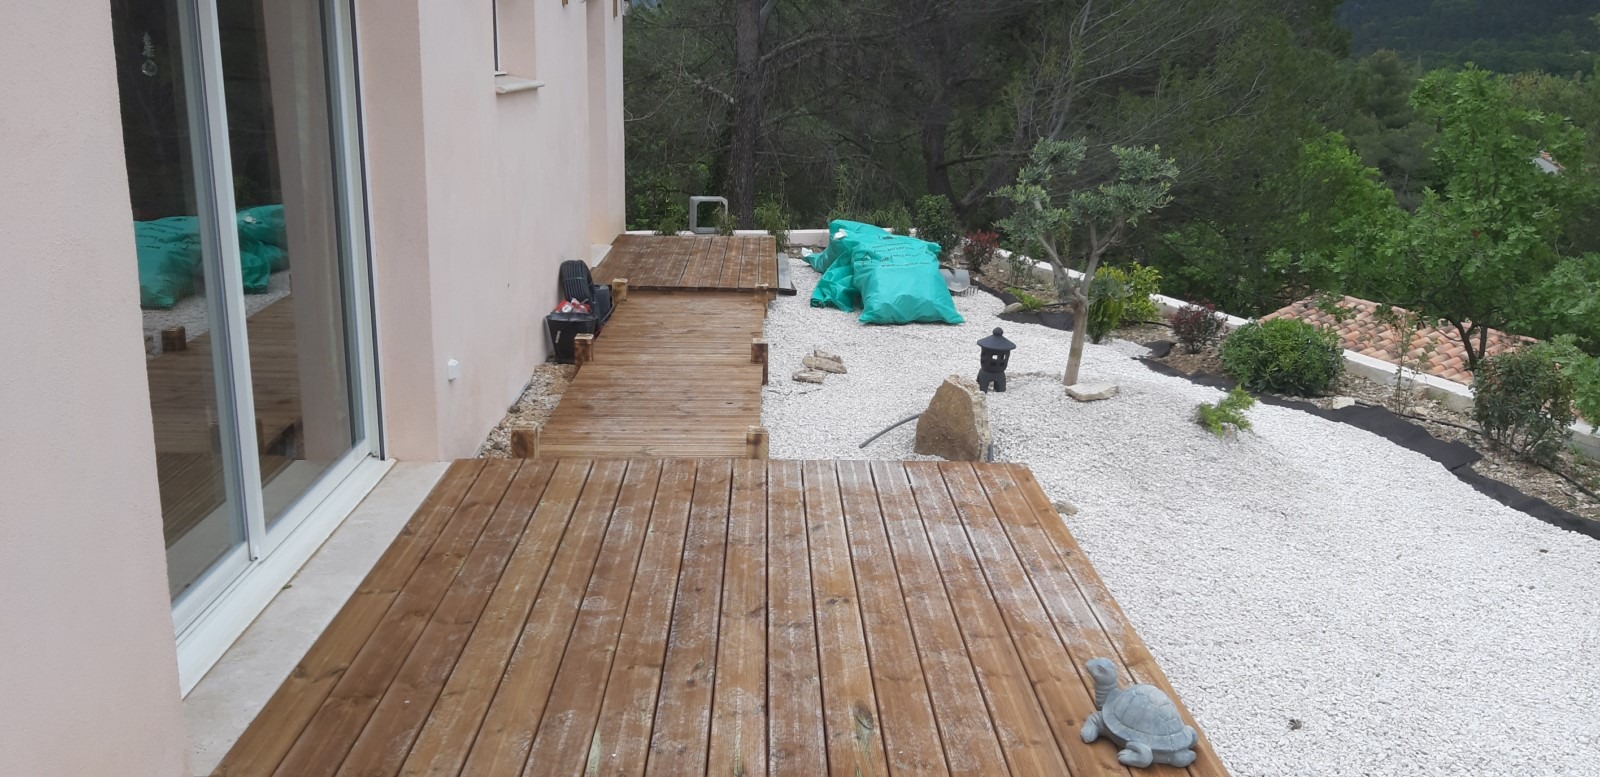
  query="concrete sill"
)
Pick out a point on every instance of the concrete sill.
point(508, 84)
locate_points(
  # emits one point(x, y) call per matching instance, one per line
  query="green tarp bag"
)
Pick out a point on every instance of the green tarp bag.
point(262, 236)
point(892, 278)
point(169, 260)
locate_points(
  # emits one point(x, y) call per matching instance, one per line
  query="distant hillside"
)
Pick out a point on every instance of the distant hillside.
point(1508, 36)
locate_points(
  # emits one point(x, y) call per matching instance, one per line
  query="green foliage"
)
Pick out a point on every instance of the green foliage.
point(1226, 417)
point(936, 222)
point(1108, 302)
point(1551, 35)
point(893, 217)
point(672, 219)
point(1197, 326)
point(772, 217)
point(725, 222)
point(1030, 302)
point(1523, 401)
point(1284, 356)
point(1143, 283)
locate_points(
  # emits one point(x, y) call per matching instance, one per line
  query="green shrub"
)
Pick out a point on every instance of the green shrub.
point(772, 217)
point(1523, 401)
point(1142, 283)
point(673, 219)
point(1030, 302)
point(1108, 299)
point(1227, 415)
point(1284, 356)
point(893, 217)
point(936, 223)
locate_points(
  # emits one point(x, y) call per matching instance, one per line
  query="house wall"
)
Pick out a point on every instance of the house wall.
point(88, 671)
point(477, 197)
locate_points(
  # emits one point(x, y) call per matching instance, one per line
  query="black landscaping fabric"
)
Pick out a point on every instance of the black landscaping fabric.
point(1053, 319)
point(1456, 457)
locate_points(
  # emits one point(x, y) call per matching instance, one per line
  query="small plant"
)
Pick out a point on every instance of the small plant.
point(673, 219)
point(1197, 326)
point(936, 223)
point(1284, 356)
point(979, 249)
point(1143, 283)
point(725, 222)
point(1108, 299)
point(893, 217)
point(772, 217)
point(1407, 366)
point(1030, 302)
point(1226, 417)
point(1523, 401)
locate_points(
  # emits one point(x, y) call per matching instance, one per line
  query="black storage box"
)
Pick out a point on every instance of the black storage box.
point(564, 330)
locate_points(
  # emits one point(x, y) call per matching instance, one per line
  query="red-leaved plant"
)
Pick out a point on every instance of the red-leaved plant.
point(1197, 326)
point(979, 248)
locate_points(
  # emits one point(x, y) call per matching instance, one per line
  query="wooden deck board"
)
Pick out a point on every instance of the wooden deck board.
point(671, 377)
point(691, 263)
point(712, 617)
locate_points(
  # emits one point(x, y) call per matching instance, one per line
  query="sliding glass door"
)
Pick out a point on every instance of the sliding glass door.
point(244, 172)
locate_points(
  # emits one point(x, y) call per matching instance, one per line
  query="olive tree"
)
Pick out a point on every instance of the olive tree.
point(1049, 215)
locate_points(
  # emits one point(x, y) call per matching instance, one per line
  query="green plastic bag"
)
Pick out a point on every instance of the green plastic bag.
point(900, 283)
point(262, 235)
point(894, 279)
point(168, 253)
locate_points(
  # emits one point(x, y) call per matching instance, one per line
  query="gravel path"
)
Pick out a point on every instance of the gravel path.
point(1325, 602)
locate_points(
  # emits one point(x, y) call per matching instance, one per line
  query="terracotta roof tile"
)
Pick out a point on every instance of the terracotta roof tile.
point(1364, 333)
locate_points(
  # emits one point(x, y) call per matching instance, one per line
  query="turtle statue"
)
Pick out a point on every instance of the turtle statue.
point(1141, 719)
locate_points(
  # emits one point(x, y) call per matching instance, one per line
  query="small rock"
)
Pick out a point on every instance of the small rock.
point(1089, 392)
point(809, 376)
point(1066, 508)
point(824, 365)
point(1295, 724)
point(832, 357)
point(1340, 403)
point(1015, 307)
point(956, 424)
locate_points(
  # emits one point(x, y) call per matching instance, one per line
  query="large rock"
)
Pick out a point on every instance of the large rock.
point(1089, 392)
point(956, 424)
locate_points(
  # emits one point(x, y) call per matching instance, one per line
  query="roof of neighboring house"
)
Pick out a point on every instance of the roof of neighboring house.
point(1364, 333)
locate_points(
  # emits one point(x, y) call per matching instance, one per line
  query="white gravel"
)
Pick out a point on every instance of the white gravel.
point(1309, 571)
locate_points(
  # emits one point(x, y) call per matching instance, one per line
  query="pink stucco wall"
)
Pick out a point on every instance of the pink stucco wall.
point(477, 197)
point(88, 671)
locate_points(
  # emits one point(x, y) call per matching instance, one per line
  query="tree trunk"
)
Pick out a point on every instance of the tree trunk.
point(746, 114)
point(1080, 325)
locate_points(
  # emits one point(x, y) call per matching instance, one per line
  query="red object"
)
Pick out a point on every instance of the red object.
point(572, 306)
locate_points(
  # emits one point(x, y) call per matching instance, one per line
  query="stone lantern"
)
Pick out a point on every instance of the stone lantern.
point(992, 362)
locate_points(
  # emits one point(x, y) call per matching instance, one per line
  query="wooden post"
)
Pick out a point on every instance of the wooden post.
point(619, 291)
point(761, 293)
point(174, 339)
point(756, 441)
point(525, 442)
point(582, 349)
point(758, 355)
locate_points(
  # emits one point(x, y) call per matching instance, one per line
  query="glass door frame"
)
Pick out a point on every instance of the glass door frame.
point(216, 207)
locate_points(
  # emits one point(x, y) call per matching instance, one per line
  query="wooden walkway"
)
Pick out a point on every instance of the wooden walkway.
point(712, 617)
point(691, 263)
point(671, 375)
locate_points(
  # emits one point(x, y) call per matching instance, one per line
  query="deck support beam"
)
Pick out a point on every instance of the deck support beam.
point(582, 349)
point(756, 442)
point(619, 290)
point(525, 443)
point(758, 355)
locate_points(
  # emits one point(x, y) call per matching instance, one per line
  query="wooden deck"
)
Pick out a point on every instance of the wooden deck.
point(676, 263)
point(183, 404)
point(671, 375)
point(711, 617)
